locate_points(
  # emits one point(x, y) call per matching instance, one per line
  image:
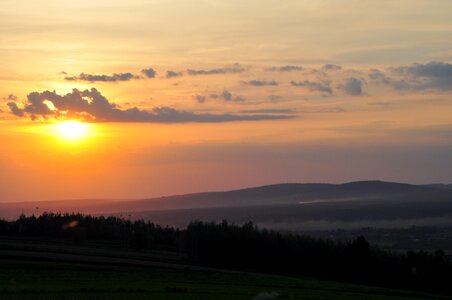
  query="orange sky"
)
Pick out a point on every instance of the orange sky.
point(186, 96)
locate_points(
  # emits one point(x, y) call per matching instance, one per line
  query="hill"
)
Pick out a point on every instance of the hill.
point(277, 194)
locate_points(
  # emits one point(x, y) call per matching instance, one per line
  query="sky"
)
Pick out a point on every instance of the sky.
point(175, 96)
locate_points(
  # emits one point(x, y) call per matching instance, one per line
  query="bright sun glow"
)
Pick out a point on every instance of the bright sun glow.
point(72, 130)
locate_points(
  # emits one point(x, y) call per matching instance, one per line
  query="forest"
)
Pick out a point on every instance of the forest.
point(247, 248)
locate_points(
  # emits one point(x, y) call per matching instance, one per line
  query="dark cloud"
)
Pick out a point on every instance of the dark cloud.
point(323, 87)
point(432, 75)
point(236, 68)
point(429, 76)
point(261, 83)
point(15, 109)
point(353, 86)
point(287, 68)
point(10, 97)
point(171, 74)
point(376, 74)
point(91, 105)
point(225, 95)
point(380, 77)
point(200, 98)
point(331, 67)
point(105, 78)
point(150, 72)
point(431, 69)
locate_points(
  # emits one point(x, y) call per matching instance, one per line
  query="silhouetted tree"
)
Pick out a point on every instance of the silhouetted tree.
point(248, 248)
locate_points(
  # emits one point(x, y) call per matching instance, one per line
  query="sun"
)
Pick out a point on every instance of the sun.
point(72, 130)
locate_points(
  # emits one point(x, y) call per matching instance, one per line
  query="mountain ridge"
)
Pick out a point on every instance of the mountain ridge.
point(280, 193)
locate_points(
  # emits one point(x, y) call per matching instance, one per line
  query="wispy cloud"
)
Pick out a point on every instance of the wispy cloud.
point(172, 74)
point(236, 68)
point(331, 67)
point(287, 68)
point(262, 82)
point(225, 95)
point(270, 111)
point(323, 87)
point(102, 77)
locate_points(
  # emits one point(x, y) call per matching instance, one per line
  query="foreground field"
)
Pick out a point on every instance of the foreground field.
point(57, 280)
point(48, 270)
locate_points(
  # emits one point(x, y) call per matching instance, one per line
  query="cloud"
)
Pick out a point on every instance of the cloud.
point(105, 78)
point(323, 87)
point(91, 105)
point(429, 76)
point(380, 77)
point(150, 72)
point(200, 98)
point(171, 74)
point(235, 68)
point(331, 67)
point(432, 75)
point(225, 95)
point(328, 110)
point(431, 69)
point(376, 74)
point(288, 68)
point(15, 110)
point(10, 97)
point(270, 111)
point(261, 83)
point(353, 86)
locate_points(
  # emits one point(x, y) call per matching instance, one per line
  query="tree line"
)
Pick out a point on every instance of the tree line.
point(246, 247)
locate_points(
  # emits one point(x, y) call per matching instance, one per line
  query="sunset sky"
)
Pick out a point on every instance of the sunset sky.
point(177, 96)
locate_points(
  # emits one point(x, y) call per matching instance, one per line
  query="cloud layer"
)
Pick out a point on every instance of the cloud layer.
point(91, 105)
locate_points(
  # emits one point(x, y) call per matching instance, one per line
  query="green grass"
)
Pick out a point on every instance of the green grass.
point(72, 278)
point(21, 279)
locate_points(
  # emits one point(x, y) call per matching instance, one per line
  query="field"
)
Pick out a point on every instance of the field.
point(50, 269)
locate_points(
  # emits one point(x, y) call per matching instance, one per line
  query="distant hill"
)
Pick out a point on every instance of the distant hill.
point(277, 194)
point(439, 186)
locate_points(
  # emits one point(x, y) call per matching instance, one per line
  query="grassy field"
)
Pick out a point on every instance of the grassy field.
point(59, 271)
